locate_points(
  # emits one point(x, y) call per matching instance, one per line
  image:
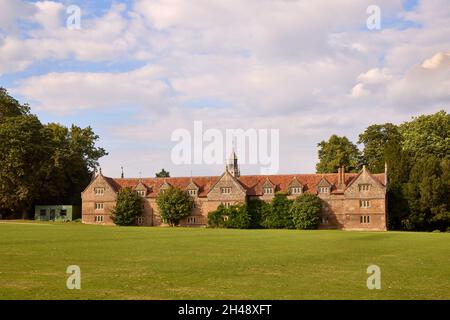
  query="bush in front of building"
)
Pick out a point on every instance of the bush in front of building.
point(277, 215)
point(233, 217)
point(305, 211)
point(174, 204)
point(128, 207)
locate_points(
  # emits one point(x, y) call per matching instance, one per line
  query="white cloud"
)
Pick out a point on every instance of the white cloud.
point(306, 67)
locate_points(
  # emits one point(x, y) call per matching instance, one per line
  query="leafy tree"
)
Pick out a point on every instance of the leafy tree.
point(129, 206)
point(41, 163)
point(376, 138)
point(305, 211)
point(174, 204)
point(427, 135)
point(337, 152)
point(72, 162)
point(10, 107)
point(24, 150)
point(427, 192)
point(163, 174)
point(277, 215)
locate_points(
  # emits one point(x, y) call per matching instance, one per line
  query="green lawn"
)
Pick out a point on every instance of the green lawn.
point(181, 263)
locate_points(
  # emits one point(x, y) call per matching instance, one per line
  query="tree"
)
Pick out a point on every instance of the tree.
point(25, 147)
point(337, 152)
point(10, 107)
point(305, 211)
point(129, 206)
point(163, 174)
point(277, 215)
point(376, 138)
point(72, 162)
point(427, 135)
point(42, 163)
point(428, 194)
point(174, 204)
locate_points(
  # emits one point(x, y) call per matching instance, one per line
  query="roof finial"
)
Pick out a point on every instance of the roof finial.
point(100, 171)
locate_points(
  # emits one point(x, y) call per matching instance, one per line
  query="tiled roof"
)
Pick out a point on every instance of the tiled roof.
point(252, 183)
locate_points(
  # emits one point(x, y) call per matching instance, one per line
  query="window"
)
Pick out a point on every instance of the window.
point(99, 206)
point(192, 192)
point(226, 204)
point(43, 212)
point(268, 190)
point(364, 187)
point(364, 219)
point(324, 189)
point(325, 219)
point(226, 190)
point(194, 205)
point(98, 219)
point(63, 212)
point(99, 191)
point(364, 203)
point(296, 190)
point(225, 218)
point(141, 193)
point(191, 220)
point(140, 220)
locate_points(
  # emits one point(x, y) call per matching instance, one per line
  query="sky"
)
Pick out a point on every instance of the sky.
point(137, 70)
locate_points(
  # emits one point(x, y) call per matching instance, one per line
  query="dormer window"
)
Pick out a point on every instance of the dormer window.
point(99, 191)
point(364, 187)
point(192, 192)
point(324, 189)
point(225, 190)
point(268, 190)
point(296, 190)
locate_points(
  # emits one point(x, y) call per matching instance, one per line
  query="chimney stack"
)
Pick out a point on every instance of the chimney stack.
point(341, 177)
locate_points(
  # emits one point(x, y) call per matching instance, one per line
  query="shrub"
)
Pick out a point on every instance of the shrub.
point(129, 205)
point(234, 217)
point(305, 211)
point(277, 215)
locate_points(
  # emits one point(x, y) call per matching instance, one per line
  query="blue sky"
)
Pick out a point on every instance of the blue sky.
point(138, 70)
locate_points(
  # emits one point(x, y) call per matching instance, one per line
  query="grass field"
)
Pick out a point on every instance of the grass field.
point(180, 263)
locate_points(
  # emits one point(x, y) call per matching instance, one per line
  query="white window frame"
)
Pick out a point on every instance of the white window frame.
point(99, 219)
point(192, 192)
point(364, 219)
point(364, 204)
point(140, 220)
point(99, 191)
point(99, 206)
point(225, 190)
point(324, 189)
point(296, 190)
point(268, 190)
point(142, 193)
point(364, 187)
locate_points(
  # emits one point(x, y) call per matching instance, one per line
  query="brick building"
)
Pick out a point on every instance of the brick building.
point(355, 201)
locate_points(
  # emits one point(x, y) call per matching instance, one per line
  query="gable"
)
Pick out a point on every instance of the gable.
point(365, 178)
point(100, 182)
point(227, 180)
